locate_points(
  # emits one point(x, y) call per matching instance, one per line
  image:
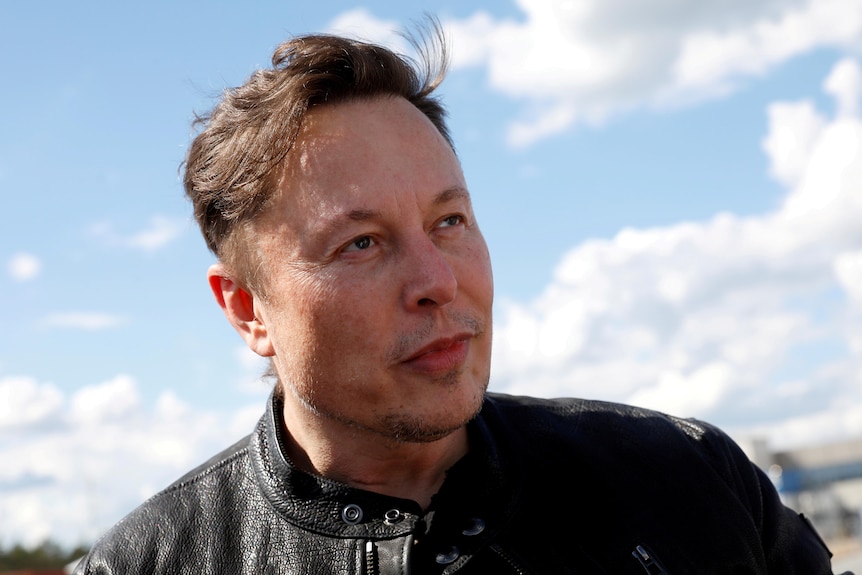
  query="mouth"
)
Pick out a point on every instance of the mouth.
point(441, 355)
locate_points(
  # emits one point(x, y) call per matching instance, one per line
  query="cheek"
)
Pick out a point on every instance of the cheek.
point(298, 315)
point(477, 276)
point(342, 319)
point(344, 332)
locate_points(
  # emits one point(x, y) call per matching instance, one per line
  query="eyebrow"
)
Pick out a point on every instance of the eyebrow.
point(362, 215)
point(457, 193)
point(446, 196)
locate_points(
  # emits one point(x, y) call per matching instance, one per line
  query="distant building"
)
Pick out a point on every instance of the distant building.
point(823, 482)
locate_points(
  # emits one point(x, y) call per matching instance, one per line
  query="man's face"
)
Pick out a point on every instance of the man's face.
point(377, 280)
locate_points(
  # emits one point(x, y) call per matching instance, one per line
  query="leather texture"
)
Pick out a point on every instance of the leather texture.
point(549, 487)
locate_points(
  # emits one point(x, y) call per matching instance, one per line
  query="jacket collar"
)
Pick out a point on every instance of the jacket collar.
point(483, 486)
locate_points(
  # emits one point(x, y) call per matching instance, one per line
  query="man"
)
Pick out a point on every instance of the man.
point(349, 254)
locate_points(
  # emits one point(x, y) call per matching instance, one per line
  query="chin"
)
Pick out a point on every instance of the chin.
point(418, 430)
point(438, 423)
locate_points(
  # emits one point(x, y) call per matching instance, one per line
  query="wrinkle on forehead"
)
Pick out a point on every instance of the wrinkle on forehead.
point(325, 167)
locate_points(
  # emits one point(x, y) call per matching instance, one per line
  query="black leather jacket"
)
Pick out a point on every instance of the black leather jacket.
point(549, 487)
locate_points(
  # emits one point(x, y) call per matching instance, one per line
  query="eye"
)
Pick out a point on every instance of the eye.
point(360, 243)
point(452, 220)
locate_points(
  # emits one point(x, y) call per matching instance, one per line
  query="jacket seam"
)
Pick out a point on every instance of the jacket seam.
point(509, 559)
point(205, 472)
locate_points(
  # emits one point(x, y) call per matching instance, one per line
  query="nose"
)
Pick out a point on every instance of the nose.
point(429, 280)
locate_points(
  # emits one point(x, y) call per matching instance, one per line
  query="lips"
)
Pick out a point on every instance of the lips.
point(441, 355)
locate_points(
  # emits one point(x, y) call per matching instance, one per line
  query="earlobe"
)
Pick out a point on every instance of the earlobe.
point(240, 309)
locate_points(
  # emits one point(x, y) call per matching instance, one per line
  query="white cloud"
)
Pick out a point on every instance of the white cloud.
point(24, 402)
point(796, 127)
point(584, 61)
point(361, 24)
point(848, 272)
point(159, 232)
point(63, 455)
point(840, 421)
point(672, 390)
point(113, 400)
point(710, 56)
point(24, 267)
point(87, 321)
point(716, 319)
point(845, 84)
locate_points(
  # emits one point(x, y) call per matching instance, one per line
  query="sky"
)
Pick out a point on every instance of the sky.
point(671, 192)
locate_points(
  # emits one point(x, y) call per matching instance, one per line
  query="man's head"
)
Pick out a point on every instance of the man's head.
point(370, 286)
point(231, 170)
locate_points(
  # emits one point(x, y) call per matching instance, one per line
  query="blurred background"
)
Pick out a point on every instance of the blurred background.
point(671, 192)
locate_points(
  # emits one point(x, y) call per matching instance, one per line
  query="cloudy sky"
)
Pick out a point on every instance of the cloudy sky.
point(671, 191)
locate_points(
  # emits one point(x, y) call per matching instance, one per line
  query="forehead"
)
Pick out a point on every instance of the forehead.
point(380, 128)
point(364, 152)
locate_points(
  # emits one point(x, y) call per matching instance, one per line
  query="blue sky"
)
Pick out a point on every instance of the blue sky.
point(671, 197)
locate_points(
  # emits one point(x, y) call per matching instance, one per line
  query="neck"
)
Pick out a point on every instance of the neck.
point(368, 460)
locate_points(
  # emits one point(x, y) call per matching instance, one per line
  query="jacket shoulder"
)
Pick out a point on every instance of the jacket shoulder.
point(658, 474)
point(619, 438)
point(564, 416)
point(168, 517)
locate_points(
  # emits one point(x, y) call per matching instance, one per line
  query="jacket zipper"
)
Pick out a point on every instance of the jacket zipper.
point(648, 561)
point(508, 559)
point(370, 558)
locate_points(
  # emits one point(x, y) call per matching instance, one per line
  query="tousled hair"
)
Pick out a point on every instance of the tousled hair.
point(231, 170)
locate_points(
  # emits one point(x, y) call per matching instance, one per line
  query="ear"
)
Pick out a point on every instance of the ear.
point(240, 309)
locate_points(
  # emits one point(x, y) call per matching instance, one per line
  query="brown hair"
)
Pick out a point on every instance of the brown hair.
point(231, 167)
